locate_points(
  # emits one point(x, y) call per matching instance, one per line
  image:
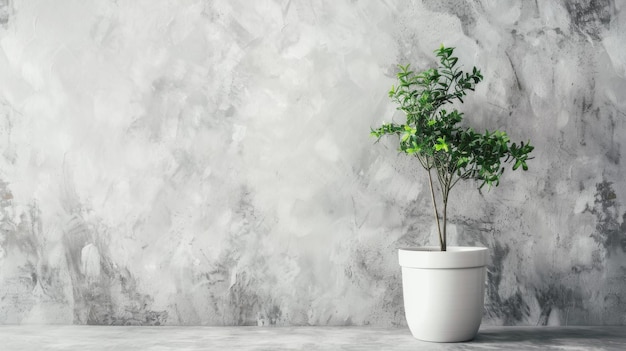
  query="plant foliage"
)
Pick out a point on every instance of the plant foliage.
point(435, 137)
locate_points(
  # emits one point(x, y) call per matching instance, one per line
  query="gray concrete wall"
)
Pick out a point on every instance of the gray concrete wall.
point(208, 162)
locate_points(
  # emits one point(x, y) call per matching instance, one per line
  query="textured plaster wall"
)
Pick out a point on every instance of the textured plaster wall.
point(208, 162)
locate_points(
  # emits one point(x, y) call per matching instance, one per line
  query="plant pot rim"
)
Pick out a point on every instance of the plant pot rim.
point(430, 257)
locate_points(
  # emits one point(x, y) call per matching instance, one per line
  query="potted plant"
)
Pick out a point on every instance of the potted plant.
point(443, 286)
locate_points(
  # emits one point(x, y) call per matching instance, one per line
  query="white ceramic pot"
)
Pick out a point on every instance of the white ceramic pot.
point(443, 291)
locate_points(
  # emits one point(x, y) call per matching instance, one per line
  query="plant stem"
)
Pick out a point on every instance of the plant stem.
point(432, 195)
point(446, 185)
point(444, 246)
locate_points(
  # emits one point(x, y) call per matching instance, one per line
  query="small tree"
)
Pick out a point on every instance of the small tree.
point(433, 135)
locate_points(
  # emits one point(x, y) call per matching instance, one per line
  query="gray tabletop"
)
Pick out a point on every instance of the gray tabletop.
point(13, 338)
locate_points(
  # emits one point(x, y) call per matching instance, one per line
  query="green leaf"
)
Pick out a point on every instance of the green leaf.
point(441, 145)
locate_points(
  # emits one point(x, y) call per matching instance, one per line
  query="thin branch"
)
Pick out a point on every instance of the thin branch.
point(432, 194)
point(445, 234)
point(453, 182)
point(424, 163)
